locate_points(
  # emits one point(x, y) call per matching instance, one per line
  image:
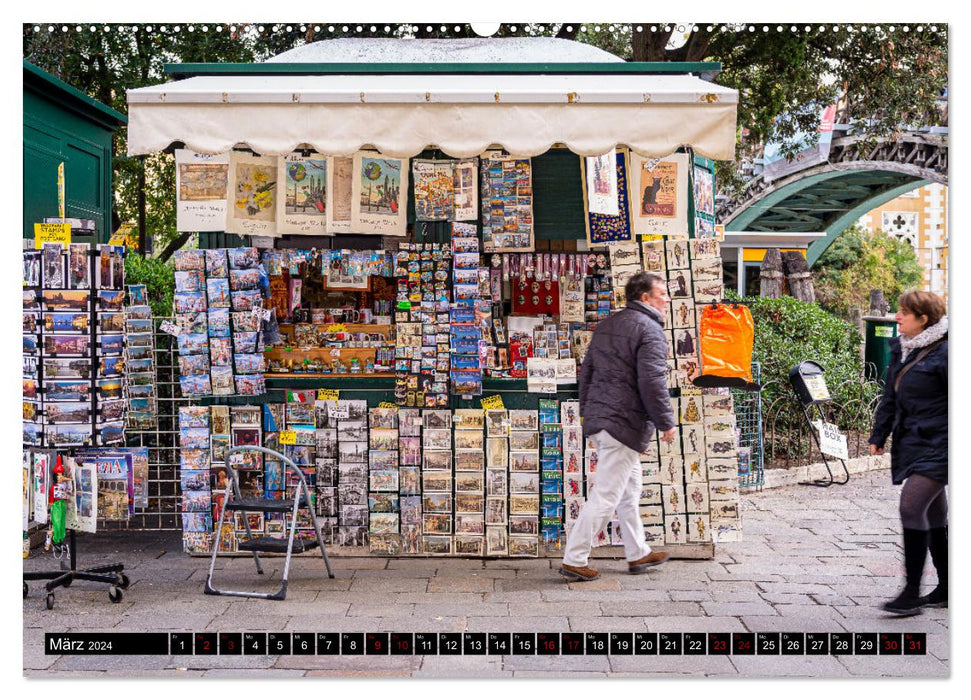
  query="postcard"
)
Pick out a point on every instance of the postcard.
point(217, 263)
point(189, 260)
point(246, 300)
point(469, 460)
point(189, 302)
point(437, 460)
point(217, 292)
point(66, 300)
point(195, 385)
point(188, 280)
point(469, 482)
point(193, 322)
point(63, 413)
point(191, 343)
point(245, 321)
point(243, 258)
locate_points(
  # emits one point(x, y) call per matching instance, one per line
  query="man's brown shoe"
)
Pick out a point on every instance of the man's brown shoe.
point(579, 573)
point(645, 563)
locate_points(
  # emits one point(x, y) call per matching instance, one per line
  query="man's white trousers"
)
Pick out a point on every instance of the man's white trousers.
point(617, 487)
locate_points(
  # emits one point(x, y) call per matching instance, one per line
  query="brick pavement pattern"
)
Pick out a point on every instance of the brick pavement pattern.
point(813, 560)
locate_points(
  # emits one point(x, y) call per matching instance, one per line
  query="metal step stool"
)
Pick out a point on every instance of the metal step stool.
point(233, 501)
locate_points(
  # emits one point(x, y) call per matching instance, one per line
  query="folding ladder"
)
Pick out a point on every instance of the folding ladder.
point(233, 501)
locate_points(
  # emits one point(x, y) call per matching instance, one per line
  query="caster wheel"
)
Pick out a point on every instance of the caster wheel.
point(115, 595)
point(50, 601)
point(25, 589)
point(123, 581)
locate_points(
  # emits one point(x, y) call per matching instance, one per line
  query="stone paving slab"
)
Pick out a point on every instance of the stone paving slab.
point(812, 560)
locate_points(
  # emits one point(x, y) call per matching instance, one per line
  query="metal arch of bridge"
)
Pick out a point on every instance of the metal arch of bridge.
point(828, 198)
point(858, 177)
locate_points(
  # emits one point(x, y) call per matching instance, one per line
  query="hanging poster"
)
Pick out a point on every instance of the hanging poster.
point(507, 203)
point(445, 190)
point(338, 206)
point(704, 197)
point(379, 203)
point(201, 190)
point(661, 191)
point(602, 229)
point(434, 189)
point(302, 205)
point(252, 195)
point(602, 184)
point(466, 191)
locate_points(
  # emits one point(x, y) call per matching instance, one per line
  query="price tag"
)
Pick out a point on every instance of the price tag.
point(170, 328)
point(51, 233)
point(288, 437)
point(831, 441)
point(492, 402)
point(652, 237)
point(328, 394)
point(386, 404)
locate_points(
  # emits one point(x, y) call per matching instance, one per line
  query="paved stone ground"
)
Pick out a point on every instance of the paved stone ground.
point(813, 560)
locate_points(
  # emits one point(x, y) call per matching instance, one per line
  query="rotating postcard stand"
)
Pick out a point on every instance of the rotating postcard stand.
point(809, 383)
point(233, 501)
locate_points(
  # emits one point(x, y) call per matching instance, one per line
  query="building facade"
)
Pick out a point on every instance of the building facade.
point(920, 218)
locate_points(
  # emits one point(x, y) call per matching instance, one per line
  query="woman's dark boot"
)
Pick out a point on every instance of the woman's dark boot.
point(937, 544)
point(915, 554)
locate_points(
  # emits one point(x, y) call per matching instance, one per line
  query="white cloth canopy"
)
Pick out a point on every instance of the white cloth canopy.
point(463, 115)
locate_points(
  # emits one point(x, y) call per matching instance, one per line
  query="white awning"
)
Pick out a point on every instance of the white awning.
point(463, 115)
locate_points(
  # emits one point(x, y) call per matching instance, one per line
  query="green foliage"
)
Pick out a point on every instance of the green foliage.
point(858, 261)
point(158, 278)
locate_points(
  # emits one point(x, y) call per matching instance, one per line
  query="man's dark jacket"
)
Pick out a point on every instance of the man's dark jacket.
point(623, 384)
point(915, 414)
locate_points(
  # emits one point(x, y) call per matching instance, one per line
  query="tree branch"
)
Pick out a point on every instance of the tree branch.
point(173, 246)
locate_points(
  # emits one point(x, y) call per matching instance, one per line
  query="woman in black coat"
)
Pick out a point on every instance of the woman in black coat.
point(914, 412)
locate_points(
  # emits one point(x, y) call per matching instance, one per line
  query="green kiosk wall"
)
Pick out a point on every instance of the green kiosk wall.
point(63, 125)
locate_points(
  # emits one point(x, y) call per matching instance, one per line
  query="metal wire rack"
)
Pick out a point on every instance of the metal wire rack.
point(748, 416)
point(163, 511)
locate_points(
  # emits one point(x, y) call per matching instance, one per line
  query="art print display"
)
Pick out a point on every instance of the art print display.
point(506, 186)
point(201, 185)
point(604, 228)
point(253, 192)
point(601, 174)
point(379, 191)
point(445, 190)
point(661, 189)
point(340, 173)
point(302, 205)
point(704, 197)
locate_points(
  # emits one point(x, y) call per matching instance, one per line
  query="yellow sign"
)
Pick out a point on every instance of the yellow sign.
point(386, 404)
point(126, 235)
point(493, 403)
point(328, 394)
point(652, 237)
point(288, 437)
point(51, 233)
point(60, 190)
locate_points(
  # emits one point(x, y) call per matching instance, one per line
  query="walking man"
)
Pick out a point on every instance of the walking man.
point(623, 397)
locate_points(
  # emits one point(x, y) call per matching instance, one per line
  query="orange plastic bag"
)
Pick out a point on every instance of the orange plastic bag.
point(726, 334)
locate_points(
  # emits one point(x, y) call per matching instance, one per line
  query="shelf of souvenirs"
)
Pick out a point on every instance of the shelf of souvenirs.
point(339, 335)
point(323, 362)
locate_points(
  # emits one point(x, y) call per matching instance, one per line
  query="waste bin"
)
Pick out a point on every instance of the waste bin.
point(876, 353)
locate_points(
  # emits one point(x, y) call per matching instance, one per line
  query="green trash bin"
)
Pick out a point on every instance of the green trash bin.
point(876, 353)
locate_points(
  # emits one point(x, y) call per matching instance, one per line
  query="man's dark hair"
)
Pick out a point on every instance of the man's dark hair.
point(639, 284)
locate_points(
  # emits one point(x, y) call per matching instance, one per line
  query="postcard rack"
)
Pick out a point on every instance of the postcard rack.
point(89, 357)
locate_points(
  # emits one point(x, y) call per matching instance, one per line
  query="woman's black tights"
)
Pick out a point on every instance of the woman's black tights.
point(923, 503)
